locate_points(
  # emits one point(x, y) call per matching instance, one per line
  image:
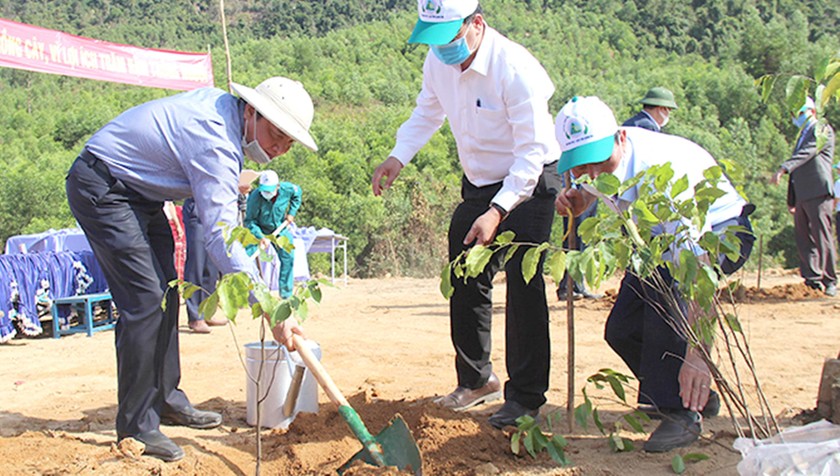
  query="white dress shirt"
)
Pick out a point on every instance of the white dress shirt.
point(498, 113)
point(647, 148)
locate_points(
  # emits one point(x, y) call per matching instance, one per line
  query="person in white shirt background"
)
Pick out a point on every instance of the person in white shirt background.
point(495, 95)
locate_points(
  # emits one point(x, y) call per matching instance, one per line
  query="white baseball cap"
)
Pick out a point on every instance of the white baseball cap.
point(268, 181)
point(440, 20)
point(285, 104)
point(585, 128)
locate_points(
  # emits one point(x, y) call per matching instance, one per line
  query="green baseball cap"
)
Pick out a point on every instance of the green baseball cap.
point(659, 96)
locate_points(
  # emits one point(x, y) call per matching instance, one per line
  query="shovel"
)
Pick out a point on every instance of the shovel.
point(393, 446)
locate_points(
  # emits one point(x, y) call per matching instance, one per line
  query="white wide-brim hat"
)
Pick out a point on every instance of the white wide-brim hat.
point(285, 103)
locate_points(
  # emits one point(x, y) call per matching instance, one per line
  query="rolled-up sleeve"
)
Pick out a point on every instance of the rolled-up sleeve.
point(526, 96)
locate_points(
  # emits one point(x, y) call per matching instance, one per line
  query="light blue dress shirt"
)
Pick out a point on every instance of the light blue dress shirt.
point(186, 145)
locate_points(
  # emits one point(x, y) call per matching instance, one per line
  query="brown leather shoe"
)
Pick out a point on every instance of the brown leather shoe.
point(199, 327)
point(463, 398)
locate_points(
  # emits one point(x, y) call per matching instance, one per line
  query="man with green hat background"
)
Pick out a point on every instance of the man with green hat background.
point(673, 378)
point(656, 112)
point(495, 95)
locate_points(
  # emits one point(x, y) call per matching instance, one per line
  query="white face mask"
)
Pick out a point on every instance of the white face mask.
point(665, 121)
point(269, 195)
point(252, 149)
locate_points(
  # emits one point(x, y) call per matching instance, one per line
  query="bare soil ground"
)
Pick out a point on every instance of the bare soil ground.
point(386, 344)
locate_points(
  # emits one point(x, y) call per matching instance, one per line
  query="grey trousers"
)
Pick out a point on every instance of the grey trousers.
point(814, 239)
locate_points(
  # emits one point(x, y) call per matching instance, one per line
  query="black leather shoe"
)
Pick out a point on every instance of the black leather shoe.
point(678, 428)
point(510, 411)
point(463, 398)
point(158, 445)
point(191, 417)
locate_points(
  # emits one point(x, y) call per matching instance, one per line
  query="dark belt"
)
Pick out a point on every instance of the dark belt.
point(97, 166)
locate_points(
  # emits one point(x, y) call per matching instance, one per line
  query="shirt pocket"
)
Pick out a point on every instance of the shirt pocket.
point(491, 128)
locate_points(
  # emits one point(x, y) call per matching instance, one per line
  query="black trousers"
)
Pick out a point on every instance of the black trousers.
point(638, 330)
point(527, 343)
point(132, 241)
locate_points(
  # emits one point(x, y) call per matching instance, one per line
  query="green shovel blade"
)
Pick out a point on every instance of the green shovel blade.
point(398, 449)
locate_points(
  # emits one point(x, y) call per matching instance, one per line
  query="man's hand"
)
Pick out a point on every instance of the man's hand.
point(484, 228)
point(792, 209)
point(284, 330)
point(774, 180)
point(694, 379)
point(574, 200)
point(264, 243)
point(290, 219)
point(389, 170)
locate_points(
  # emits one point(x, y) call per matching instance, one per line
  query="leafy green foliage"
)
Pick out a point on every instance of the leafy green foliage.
point(678, 461)
point(239, 291)
point(530, 436)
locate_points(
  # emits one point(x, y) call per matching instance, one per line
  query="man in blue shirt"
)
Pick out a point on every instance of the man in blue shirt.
point(270, 210)
point(188, 145)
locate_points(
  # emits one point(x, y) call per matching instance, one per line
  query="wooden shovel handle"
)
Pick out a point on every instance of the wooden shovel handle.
point(318, 370)
point(294, 391)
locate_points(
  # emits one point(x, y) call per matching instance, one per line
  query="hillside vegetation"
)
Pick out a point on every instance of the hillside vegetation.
point(354, 60)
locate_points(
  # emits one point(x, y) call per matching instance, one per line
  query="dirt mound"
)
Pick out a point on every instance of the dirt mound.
point(784, 292)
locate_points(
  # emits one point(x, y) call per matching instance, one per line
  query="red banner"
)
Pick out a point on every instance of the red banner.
point(48, 51)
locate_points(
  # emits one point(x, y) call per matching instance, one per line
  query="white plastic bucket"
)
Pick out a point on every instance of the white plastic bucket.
point(278, 369)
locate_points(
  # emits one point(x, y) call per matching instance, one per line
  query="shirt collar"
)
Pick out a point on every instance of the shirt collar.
point(481, 62)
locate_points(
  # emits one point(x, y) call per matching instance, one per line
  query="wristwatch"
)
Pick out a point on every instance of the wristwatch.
point(500, 209)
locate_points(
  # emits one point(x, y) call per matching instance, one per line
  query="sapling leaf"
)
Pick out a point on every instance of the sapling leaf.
point(227, 298)
point(528, 442)
point(557, 452)
point(557, 265)
point(582, 415)
point(540, 440)
point(678, 464)
point(616, 442)
point(733, 322)
point(634, 423)
point(302, 311)
point(505, 237)
point(477, 259)
point(617, 388)
point(281, 313)
point(210, 305)
point(596, 417)
point(607, 184)
point(694, 457)
point(446, 288)
point(525, 422)
point(188, 289)
point(531, 260)
point(514, 442)
point(316, 292)
point(795, 91)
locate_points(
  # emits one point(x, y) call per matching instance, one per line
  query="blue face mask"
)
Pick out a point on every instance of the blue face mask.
point(800, 120)
point(452, 53)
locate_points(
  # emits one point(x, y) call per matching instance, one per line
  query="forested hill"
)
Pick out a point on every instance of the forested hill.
point(353, 59)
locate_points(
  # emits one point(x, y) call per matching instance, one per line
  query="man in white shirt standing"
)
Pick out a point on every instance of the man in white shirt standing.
point(495, 95)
